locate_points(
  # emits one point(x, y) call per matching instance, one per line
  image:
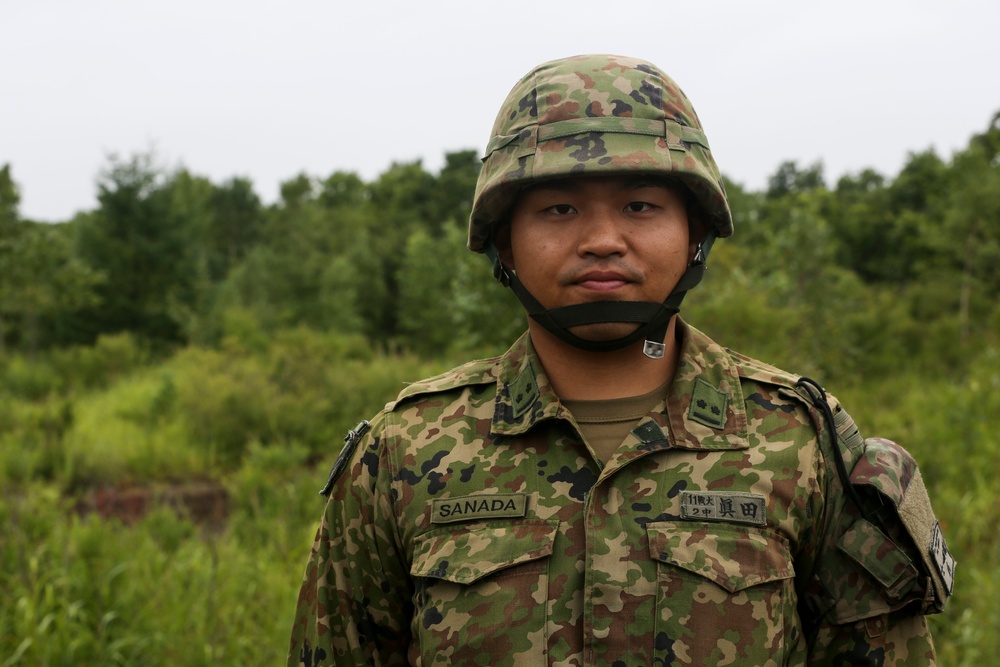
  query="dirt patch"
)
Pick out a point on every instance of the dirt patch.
point(205, 502)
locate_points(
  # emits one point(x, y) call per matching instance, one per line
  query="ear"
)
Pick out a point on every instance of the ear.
point(501, 239)
point(696, 232)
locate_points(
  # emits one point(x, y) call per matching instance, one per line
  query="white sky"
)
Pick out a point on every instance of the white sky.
point(267, 89)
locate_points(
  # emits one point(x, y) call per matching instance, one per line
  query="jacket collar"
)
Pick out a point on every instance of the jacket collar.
point(704, 408)
point(524, 396)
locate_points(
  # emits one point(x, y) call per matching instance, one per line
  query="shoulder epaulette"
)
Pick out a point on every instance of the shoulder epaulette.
point(480, 371)
point(759, 371)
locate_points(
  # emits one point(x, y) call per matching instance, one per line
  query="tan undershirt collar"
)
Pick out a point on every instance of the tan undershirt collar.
point(605, 423)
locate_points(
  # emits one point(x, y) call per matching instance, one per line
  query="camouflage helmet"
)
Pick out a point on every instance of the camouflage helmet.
point(595, 114)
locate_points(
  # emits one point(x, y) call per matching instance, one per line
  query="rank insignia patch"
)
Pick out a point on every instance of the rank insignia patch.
point(708, 405)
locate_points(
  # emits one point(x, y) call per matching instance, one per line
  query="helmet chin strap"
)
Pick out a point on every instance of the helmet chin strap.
point(653, 317)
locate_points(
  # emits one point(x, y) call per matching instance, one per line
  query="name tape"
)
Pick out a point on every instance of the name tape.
point(724, 506)
point(480, 506)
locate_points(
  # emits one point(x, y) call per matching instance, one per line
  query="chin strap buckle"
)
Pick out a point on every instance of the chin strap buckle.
point(500, 273)
point(653, 350)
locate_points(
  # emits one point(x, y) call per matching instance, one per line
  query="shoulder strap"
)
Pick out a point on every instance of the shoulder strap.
point(481, 371)
point(817, 397)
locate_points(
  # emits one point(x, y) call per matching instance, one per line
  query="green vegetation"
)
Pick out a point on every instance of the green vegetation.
point(183, 336)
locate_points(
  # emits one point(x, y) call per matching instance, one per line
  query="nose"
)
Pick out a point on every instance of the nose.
point(601, 234)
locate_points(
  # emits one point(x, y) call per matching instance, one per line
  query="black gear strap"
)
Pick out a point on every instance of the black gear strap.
point(653, 317)
point(818, 397)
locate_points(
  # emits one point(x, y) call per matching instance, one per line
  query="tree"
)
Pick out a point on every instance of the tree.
point(989, 141)
point(146, 236)
point(968, 240)
point(405, 195)
point(744, 206)
point(456, 184)
point(299, 242)
point(882, 228)
point(789, 179)
point(312, 260)
point(866, 232)
point(10, 197)
point(425, 284)
point(40, 275)
point(921, 183)
point(236, 225)
point(340, 294)
point(46, 279)
point(9, 200)
point(297, 191)
point(353, 291)
point(487, 316)
point(343, 189)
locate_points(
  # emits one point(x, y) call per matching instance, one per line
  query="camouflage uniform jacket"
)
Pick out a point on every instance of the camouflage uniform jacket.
point(473, 526)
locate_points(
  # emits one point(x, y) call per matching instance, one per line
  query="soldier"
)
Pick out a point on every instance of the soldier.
point(617, 489)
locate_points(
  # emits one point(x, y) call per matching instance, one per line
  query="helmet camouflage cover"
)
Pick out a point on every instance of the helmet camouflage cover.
point(595, 114)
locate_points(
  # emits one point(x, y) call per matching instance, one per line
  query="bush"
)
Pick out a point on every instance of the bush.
point(30, 380)
point(224, 401)
point(112, 357)
point(31, 439)
point(129, 431)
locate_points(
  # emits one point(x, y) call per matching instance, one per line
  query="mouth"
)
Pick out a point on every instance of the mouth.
point(601, 281)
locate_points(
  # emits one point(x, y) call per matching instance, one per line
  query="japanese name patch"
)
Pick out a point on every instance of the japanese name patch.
point(724, 506)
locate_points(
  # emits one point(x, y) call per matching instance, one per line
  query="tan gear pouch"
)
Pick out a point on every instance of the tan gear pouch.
point(891, 472)
point(917, 516)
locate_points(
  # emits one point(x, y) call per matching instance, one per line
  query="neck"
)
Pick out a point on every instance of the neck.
point(577, 374)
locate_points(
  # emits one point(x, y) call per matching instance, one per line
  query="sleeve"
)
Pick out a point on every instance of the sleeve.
point(879, 563)
point(881, 642)
point(354, 604)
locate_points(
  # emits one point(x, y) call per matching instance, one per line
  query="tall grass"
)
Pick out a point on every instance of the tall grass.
point(265, 421)
point(89, 591)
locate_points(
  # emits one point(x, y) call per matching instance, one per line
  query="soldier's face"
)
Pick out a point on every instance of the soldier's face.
point(587, 238)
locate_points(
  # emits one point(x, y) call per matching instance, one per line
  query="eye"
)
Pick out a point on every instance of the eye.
point(638, 207)
point(560, 209)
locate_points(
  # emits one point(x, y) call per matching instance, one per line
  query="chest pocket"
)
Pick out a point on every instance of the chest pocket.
point(726, 594)
point(483, 591)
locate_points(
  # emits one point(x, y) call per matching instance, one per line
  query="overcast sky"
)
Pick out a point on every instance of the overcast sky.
point(266, 89)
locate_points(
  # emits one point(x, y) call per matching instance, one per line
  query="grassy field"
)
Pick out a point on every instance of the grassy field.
point(262, 421)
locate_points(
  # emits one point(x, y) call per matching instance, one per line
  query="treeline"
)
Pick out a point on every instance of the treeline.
point(172, 257)
point(863, 273)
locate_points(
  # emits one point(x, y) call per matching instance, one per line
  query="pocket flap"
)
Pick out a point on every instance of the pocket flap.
point(466, 553)
point(879, 556)
point(734, 557)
